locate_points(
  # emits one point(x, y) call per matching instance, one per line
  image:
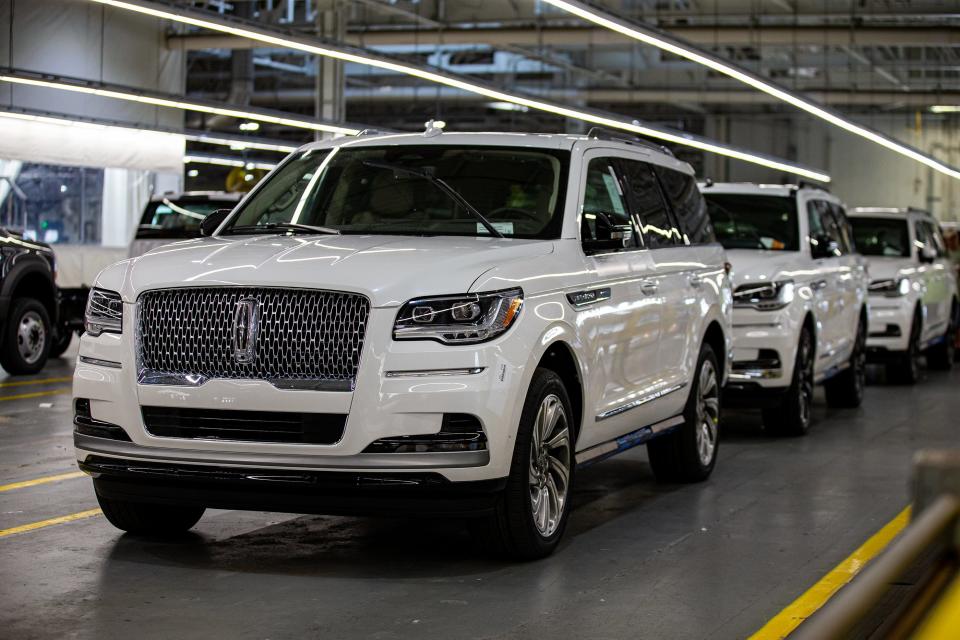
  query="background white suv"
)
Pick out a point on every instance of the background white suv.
point(436, 323)
point(913, 293)
point(800, 300)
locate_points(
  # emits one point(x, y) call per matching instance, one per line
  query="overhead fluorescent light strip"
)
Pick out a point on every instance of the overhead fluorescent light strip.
point(178, 104)
point(193, 17)
point(676, 47)
point(259, 144)
point(227, 162)
point(945, 108)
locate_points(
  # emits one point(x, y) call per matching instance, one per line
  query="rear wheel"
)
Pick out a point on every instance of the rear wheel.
point(689, 453)
point(906, 369)
point(846, 388)
point(531, 513)
point(141, 518)
point(941, 356)
point(26, 337)
point(61, 344)
point(792, 416)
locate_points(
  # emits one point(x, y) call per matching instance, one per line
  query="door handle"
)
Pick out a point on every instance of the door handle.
point(695, 280)
point(649, 287)
point(819, 284)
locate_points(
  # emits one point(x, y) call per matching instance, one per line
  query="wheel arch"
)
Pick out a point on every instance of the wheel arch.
point(560, 358)
point(32, 281)
point(716, 338)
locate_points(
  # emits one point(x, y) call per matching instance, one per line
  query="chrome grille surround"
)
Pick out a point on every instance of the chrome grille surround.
point(308, 338)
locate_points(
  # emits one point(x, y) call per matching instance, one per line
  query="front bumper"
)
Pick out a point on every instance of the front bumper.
point(764, 350)
point(380, 406)
point(338, 493)
point(889, 326)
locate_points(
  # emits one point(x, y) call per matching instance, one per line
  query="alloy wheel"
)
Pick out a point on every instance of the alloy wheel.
point(550, 458)
point(708, 412)
point(31, 337)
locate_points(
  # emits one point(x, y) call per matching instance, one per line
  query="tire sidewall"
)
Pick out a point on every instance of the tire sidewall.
point(690, 413)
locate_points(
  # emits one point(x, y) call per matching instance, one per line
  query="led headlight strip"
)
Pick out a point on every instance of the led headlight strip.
point(276, 38)
point(661, 40)
point(166, 100)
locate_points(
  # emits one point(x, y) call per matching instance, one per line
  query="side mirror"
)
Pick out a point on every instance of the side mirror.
point(822, 246)
point(605, 236)
point(213, 221)
point(927, 254)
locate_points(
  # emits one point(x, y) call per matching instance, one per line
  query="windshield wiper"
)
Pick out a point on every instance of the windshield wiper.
point(284, 226)
point(443, 186)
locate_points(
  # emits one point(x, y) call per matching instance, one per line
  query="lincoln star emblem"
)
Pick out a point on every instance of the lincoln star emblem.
point(246, 325)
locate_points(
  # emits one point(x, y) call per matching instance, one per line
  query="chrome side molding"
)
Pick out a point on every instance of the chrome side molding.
point(640, 402)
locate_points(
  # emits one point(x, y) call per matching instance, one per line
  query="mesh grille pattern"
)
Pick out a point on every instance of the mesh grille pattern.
point(304, 335)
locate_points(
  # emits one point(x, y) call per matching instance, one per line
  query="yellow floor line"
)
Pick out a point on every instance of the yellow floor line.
point(23, 383)
point(35, 394)
point(44, 480)
point(783, 624)
point(49, 523)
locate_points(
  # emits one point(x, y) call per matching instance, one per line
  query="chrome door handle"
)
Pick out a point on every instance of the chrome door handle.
point(695, 281)
point(649, 287)
point(819, 284)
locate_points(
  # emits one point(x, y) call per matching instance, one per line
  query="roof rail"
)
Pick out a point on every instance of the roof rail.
point(371, 132)
point(602, 133)
point(806, 184)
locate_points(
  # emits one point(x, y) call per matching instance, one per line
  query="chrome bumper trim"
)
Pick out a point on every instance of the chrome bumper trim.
point(87, 445)
point(100, 363)
point(430, 373)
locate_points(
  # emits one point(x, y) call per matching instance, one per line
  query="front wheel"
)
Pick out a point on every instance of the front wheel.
point(689, 453)
point(906, 369)
point(61, 344)
point(792, 416)
point(26, 338)
point(940, 357)
point(146, 519)
point(846, 388)
point(531, 513)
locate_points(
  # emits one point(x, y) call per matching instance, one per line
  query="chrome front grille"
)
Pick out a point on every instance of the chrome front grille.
point(303, 338)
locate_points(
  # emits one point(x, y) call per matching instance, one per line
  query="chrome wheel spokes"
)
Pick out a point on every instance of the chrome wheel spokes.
point(708, 412)
point(550, 458)
point(31, 337)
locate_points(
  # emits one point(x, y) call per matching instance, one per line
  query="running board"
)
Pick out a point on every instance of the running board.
point(611, 448)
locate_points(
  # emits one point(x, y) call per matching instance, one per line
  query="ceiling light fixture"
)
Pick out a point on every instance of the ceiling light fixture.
point(244, 29)
point(228, 162)
point(654, 37)
point(51, 82)
point(945, 108)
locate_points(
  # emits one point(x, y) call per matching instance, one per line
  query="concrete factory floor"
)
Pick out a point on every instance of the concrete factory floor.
point(715, 560)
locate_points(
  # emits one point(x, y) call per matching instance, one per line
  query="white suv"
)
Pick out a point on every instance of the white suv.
point(800, 300)
point(913, 293)
point(421, 323)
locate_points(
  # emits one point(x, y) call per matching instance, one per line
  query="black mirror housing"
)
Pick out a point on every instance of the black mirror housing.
point(822, 246)
point(213, 221)
point(927, 255)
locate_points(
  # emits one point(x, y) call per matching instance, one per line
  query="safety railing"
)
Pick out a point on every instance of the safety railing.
point(927, 550)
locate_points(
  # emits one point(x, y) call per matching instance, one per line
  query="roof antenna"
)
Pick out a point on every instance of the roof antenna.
point(434, 127)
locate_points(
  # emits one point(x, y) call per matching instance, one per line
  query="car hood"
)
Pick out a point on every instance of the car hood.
point(752, 266)
point(387, 269)
point(890, 268)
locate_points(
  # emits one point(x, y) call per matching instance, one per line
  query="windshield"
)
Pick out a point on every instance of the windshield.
point(413, 190)
point(177, 218)
point(881, 236)
point(743, 221)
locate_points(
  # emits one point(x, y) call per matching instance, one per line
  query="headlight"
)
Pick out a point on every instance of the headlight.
point(104, 312)
point(465, 319)
point(891, 288)
point(767, 296)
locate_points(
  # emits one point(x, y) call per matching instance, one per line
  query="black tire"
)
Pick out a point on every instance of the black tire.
point(61, 344)
point(940, 357)
point(845, 390)
point(678, 455)
point(25, 351)
point(512, 531)
point(792, 416)
point(145, 519)
point(906, 369)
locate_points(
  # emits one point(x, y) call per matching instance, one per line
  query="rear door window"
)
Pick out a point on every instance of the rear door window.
point(657, 225)
point(688, 205)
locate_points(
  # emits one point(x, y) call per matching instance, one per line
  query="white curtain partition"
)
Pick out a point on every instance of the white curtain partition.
point(90, 145)
point(125, 192)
